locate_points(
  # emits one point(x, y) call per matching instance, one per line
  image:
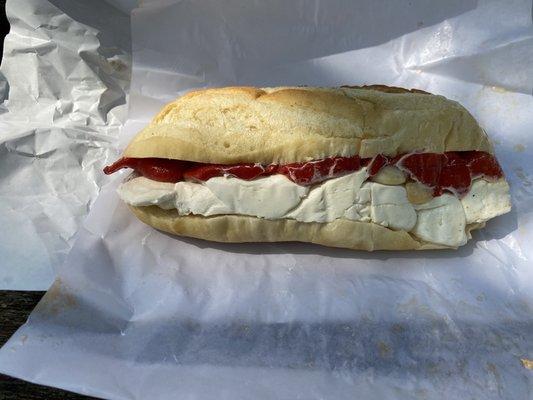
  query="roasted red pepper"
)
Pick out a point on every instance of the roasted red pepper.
point(450, 171)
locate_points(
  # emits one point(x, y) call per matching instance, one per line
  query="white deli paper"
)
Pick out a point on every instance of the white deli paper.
point(139, 314)
point(65, 72)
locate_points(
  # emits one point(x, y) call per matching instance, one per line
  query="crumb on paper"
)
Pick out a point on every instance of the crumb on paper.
point(398, 328)
point(494, 371)
point(384, 349)
point(118, 65)
point(527, 363)
point(412, 305)
point(492, 368)
point(23, 339)
point(519, 148)
point(499, 89)
point(433, 368)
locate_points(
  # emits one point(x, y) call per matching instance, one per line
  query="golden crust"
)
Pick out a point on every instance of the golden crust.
point(289, 124)
point(239, 228)
point(387, 89)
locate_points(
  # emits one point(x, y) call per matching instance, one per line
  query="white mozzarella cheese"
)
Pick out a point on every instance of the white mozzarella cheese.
point(486, 200)
point(192, 198)
point(389, 175)
point(141, 191)
point(441, 220)
point(391, 208)
point(331, 199)
point(270, 197)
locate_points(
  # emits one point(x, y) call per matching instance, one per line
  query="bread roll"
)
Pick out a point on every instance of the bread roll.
point(294, 124)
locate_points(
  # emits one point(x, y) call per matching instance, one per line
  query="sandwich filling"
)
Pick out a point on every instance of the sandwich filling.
point(435, 197)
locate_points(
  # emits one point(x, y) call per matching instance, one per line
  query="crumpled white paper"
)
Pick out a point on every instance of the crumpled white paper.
point(139, 314)
point(65, 72)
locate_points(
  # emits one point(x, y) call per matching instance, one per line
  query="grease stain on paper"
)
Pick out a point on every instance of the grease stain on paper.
point(384, 349)
point(497, 377)
point(527, 363)
point(56, 300)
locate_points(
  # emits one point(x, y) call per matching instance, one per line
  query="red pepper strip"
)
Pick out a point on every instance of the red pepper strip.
point(481, 163)
point(377, 163)
point(311, 172)
point(451, 171)
point(157, 169)
point(249, 171)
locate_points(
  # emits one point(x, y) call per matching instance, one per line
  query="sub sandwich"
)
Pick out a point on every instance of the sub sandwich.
point(368, 168)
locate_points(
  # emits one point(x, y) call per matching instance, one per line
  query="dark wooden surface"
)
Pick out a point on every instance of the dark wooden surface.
point(15, 307)
point(14, 310)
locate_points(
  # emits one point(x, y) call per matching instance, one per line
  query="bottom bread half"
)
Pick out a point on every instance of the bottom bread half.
point(240, 228)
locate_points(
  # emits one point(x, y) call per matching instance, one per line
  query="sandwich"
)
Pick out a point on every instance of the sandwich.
point(363, 168)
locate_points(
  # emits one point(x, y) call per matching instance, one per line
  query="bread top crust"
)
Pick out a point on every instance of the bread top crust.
point(290, 124)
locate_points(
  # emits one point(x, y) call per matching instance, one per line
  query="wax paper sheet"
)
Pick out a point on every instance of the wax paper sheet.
point(63, 82)
point(138, 314)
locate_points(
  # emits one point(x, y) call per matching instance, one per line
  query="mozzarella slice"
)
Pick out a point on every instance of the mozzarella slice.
point(391, 208)
point(441, 220)
point(192, 198)
point(486, 200)
point(389, 175)
point(361, 210)
point(141, 191)
point(330, 200)
point(270, 197)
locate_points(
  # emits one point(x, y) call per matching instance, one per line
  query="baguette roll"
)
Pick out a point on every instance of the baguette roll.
point(286, 130)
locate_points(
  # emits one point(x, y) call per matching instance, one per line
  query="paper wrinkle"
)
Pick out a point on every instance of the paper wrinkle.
point(65, 90)
point(150, 315)
point(488, 67)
